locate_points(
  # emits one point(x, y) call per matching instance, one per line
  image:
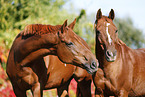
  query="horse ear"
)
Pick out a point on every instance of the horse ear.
point(112, 14)
point(72, 24)
point(99, 14)
point(63, 26)
point(62, 29)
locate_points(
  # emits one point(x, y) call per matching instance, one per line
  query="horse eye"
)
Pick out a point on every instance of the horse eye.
point(116, 31)
point(69, 44)
point(97, 32)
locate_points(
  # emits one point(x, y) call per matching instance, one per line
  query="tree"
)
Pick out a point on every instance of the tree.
point(128, 33)
point(12, 12)
point(85, 28)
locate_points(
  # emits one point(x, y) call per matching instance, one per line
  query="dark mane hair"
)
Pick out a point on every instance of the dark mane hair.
point(39, 29)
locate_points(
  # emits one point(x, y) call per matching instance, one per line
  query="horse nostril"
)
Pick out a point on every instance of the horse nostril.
point(108, 53)
point(93, 65)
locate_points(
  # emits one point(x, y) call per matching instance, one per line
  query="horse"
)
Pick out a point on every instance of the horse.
point(121, 68)
point(26, 67)
point(59, 71)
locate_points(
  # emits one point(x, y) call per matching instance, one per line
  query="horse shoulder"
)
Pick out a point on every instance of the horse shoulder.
point(134, 65)
point(139, 68)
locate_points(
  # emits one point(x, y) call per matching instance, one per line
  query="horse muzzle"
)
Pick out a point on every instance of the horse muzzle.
point(110, 55)
point(91, 69)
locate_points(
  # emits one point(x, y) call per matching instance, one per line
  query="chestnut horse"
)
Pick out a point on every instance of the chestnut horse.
point(123, 67)
point(55, 67)
point(59, 71)
point(25, 65)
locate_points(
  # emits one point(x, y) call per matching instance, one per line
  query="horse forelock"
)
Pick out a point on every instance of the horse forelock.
point(39, 29)
point(105, 19)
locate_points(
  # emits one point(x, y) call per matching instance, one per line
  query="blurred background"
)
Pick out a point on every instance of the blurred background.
point(16, 14)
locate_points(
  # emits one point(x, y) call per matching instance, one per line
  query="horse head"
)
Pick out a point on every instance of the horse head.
point(73, 49)
point(106, 34)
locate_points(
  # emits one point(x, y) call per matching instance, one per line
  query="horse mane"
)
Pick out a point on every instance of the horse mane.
point(121, 42)
point(39, 29)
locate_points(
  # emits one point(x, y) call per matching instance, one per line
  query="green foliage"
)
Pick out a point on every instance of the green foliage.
point(3, 66)
point(82, 13)
point(12, 12)
point(128, 33)
point(7, 37)
point(84, 28)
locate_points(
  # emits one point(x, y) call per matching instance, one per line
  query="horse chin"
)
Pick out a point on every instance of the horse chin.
point(91, 71)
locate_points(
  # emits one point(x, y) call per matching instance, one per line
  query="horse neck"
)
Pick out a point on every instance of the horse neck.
point(36, 46)
point(99, 54)
point(123, 50)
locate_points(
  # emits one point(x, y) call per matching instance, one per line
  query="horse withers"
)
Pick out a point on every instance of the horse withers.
point(123, 68)
point(25, 64)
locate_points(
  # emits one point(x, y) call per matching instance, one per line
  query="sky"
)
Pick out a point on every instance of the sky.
point(135, 9)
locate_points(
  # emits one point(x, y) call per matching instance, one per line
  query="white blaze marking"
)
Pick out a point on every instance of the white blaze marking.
point(109, 38)
point(65, 65)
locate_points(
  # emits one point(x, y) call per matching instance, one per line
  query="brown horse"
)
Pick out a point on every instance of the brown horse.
point(25, 64)
point(60, 75)
point(123, 67)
